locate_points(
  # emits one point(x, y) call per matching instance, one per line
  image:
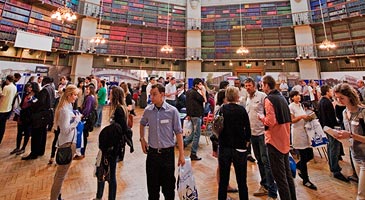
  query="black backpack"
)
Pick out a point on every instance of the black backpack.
point(90, 120)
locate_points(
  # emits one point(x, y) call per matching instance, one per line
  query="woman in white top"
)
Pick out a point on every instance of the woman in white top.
point(300, 139)
point(66, 119)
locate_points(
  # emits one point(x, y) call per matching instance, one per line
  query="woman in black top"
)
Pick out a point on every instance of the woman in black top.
point(118, 115)
point(233, 141)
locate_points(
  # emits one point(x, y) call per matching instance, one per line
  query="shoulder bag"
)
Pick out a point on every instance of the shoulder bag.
point(64, 154)
point(218, 122)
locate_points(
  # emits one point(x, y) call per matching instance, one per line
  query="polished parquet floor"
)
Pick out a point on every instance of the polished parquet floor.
point(33, 179)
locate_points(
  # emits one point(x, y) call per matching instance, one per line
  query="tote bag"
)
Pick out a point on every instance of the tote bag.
point(185, 182)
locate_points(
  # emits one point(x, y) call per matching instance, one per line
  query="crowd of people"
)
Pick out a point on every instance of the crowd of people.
point(265, 118)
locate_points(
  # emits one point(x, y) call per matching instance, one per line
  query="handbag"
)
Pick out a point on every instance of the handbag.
point(218, 123)
point(64, 154)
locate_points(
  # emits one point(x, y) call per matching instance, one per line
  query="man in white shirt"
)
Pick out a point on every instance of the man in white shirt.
point(148, 89)
point(255, 107)
point(170, 94)
point(6, 100)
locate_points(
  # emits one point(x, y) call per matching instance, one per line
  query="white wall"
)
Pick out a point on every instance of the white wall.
point(299, 6)
point(82, 66)
point(193, 69)
point(88, 28)
point(308, 69)
point(303, 35)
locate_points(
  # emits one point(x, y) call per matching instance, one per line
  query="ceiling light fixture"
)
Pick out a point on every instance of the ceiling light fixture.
point(326, 44)
point(242, 50)
point(167, 48)
point(64, 13)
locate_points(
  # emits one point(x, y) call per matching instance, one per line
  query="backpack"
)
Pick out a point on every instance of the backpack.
point(90, 120)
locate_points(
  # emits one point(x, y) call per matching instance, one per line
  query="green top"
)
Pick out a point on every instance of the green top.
point(102, 96)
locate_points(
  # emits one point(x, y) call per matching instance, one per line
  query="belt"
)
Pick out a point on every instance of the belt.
point(160, 150)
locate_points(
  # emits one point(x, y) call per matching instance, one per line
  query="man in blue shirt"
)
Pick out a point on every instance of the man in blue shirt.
point(164, 122)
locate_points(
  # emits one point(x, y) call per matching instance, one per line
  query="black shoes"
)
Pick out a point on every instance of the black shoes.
point(250, 158)
point(353, 178)
point(340, 177)
point(194, 157)
point(30, 157)
point(310, 185)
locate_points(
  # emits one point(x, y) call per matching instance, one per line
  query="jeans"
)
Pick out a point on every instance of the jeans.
point(112, 183)
point(260, 151)
point(280, 169)
point(226, 157)
point(60, 175)
point(333, 151)
point(305, 156)
point(99, 111)
point(195, 135)
point(22, 128)
point(160, 168)
point(3, 118)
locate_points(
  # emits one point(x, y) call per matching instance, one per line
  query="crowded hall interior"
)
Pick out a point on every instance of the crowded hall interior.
point(182, 99)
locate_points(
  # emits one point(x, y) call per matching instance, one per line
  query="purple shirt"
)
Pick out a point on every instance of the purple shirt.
point(88, 105)
point(163, 124)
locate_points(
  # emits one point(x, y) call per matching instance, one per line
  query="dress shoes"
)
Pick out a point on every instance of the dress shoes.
point(30, 157)
point(194, 157)
point(251, 159)
point(340, 177)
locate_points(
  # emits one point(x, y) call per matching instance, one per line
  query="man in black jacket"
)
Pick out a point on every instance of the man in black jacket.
point(42, 115)
point(195, 98)
point(327, 117)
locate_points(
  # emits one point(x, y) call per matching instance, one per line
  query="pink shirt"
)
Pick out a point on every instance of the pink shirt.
point(278, 135)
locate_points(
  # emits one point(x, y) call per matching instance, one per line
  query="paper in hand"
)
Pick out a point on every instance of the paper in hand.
point(334, 134)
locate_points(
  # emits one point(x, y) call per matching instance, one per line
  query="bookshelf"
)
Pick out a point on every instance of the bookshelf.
point(18, 15)
point(133, 40)
point(264, 15)
point(262, 44)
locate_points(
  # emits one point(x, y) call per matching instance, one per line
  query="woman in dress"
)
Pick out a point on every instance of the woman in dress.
point(300, 138)
point(66, 119)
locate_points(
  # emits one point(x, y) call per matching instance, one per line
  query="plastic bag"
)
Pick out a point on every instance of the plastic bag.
point(187, 127)
point(315, 133)
point(293, 166)
point(185, 182)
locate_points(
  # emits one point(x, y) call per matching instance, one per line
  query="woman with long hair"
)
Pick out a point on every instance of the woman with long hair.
point(118, 114)
point(24, 123)
point(66, 119)
point(81, 95)
point(300, 137)
point(87, 108)
point(353, 120)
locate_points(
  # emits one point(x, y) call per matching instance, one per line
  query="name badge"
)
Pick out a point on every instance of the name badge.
point(164, 121)
point(355, 123)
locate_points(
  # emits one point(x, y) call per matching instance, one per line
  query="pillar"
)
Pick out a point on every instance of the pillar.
point(304, 39)
point(193, 39)
point(82, 64)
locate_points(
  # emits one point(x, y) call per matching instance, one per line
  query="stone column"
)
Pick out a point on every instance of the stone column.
point(305, 40)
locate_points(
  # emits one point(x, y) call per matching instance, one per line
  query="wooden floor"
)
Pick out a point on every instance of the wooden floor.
point(33, 179)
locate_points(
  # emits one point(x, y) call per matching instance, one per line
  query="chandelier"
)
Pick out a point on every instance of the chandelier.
point(167, 48)
point(326, 44)
point(64, 13)
point(242, 50)
point(98, 39)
